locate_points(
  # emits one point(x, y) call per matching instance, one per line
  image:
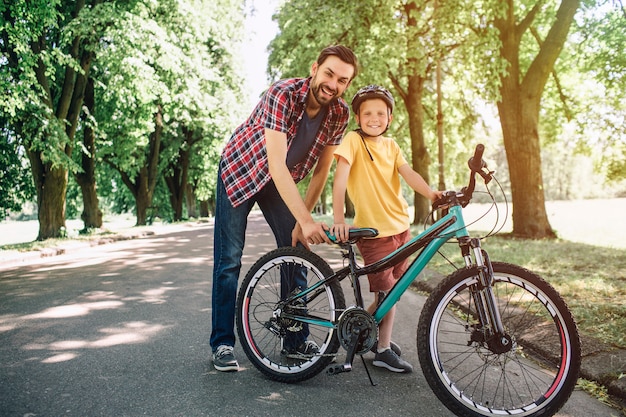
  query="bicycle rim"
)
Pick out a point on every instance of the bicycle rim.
point(262, 330)
point(535, 377)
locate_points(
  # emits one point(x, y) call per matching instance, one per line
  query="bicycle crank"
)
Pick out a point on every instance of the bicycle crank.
point(357, 321)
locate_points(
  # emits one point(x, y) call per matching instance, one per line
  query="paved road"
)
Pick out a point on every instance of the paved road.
point(122, 330)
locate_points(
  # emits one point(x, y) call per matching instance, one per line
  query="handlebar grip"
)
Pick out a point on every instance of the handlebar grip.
point(444, 200)
point(476, 162)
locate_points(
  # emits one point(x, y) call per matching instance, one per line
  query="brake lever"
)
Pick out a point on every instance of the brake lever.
point(487, 175)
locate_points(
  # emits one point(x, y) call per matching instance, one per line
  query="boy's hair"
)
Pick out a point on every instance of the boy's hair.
point(342, 52)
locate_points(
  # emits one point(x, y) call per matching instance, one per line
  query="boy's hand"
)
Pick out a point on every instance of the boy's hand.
point(435, 195)
point(341, 231)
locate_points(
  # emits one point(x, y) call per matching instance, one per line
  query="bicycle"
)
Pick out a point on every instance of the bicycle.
point(493, 338)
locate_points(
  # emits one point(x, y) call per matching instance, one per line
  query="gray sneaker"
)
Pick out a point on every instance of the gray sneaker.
point(224, 359)
point(394, 346)
point(388, 359)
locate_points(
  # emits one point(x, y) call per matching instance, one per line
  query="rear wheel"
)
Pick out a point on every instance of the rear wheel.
point(267, 336)
point(530, 371)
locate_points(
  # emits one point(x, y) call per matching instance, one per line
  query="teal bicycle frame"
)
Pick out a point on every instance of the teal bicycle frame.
point(449, 226)
point(452, 225)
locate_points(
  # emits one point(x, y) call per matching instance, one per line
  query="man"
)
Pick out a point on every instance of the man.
point(296, 126)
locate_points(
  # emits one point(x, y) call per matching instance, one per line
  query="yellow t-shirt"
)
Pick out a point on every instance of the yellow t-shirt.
point(374, 186)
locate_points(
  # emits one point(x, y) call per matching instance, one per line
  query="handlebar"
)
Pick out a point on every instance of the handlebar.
point(476, 162)
point(476, 165)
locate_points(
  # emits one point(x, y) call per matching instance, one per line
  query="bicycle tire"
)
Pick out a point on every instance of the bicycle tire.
point(535, 378)
point(260, 328)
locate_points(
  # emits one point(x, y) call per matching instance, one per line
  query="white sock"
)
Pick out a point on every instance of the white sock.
point(381, 350)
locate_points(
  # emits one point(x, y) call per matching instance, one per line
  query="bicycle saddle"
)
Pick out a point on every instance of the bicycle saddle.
point(356, 234)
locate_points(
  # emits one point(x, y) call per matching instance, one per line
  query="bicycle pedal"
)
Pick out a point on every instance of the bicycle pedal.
point(339, 368)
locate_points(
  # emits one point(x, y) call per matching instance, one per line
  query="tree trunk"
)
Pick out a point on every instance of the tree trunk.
point(190, 199)
point(143, 197)
point(420, 159)
point(51, 192)
point(204, 208)
point(178, 175)
point(519, 114)
point(521, 140)
point(349, 207)
point(440, 146)
point(412, 97)
point(91, 215)
point(143, 184)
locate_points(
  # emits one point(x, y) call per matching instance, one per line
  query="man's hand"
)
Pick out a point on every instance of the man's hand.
point(309, 233)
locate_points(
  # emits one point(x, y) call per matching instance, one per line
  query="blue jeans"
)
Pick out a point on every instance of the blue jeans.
point(229, 241)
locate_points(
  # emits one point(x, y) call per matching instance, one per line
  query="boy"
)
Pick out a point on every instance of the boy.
point(368, 165)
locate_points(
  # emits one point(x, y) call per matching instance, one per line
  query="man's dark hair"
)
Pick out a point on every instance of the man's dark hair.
point(342, 52)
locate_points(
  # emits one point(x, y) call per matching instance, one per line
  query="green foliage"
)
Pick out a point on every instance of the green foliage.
point(599, 55)
point(179, 56)
point(16, 185)
point(28, 91)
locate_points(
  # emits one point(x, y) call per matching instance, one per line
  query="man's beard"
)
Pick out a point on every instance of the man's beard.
point(321, 98)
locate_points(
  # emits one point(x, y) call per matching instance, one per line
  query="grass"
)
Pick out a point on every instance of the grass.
point(599, 392)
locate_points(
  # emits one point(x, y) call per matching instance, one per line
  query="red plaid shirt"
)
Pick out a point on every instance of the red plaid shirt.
point(245, 170)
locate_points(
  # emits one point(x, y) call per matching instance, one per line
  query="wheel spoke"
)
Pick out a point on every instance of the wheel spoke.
point(268, 328)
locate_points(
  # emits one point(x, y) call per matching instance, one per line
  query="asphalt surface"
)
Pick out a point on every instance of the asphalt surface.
point(122, 329)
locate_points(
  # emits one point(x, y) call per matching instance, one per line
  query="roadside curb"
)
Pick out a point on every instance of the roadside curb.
point(600, 363)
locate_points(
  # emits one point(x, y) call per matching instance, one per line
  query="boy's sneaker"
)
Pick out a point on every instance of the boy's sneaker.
point(224, 359)
point(307, 348)
point(394, 346)
point(388, 359)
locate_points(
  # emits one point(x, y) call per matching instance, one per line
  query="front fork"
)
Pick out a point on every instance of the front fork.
point(483, 295)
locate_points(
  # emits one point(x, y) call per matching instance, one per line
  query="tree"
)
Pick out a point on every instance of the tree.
point(168, 89)
point(91, 27)
point(205, 103)
point(520, 102)
point(45, 76)
point(48, 58)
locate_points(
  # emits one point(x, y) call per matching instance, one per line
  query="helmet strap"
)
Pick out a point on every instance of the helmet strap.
point(360, 132)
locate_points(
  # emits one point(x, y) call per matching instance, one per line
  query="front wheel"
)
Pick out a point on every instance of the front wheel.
point(531, 370)
point(269, 335)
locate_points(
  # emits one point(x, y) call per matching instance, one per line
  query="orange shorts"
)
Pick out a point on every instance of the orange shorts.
point(373, 250)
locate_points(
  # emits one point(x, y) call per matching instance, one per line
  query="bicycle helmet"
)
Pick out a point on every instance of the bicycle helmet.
point(372, 91)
